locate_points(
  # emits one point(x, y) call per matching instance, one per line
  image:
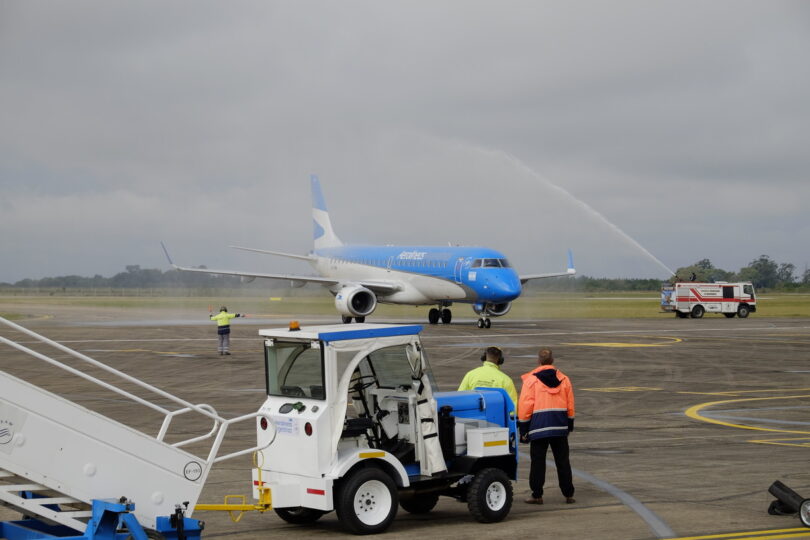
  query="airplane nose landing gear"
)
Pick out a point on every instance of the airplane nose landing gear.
point(484, 322)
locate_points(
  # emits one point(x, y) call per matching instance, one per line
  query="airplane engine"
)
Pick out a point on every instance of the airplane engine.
point(496, 310)
point(355, 301)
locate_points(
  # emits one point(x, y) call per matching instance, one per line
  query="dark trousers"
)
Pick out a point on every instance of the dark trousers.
point(537, 473)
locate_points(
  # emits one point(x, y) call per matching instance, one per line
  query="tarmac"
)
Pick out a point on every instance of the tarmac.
point(681, 425)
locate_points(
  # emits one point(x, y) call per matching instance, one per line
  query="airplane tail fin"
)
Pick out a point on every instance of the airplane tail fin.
point(324, 236)
point(571, 270)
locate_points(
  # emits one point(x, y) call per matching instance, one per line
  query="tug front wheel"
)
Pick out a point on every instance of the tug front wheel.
point(489, 496)
point(366, 501)
point(298, 515)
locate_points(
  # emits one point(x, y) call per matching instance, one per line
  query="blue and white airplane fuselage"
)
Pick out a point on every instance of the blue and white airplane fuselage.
point(425, 274)
point(360, 276)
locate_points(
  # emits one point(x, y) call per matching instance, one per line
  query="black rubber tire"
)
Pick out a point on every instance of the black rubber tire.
point(360, 319)
point(356, 484)
point(729, 315)
point(487, 323)
point(299, 515)
point(804, 512)
point(489, 497)
point(345, 319)
point(420, 504)
point(743, 311)
point(697, 312)
point(433, 316)
point(447, 316)
point(480, 323)
point(681, 315)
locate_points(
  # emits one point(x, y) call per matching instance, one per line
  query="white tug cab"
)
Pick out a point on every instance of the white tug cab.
point(357, 427)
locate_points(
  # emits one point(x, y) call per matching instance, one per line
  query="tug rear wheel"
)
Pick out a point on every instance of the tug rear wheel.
point(299, 515)
point(489, 496)
point(366, 501)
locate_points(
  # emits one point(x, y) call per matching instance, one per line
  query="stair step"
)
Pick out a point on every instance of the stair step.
point(56, 500)
point(22, 487)
point(78, 514)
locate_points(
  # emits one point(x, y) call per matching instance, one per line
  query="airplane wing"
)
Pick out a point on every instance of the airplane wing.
point(279, 253)
point(569, 272)
point(383, 287)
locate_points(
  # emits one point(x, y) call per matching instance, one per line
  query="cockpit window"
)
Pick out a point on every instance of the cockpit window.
point(476, 263)
point(492, 263)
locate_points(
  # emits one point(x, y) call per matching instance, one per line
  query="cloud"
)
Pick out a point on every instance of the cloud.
point(684, 123)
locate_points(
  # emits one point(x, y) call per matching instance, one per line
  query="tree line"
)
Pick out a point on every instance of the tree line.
point(763, 272)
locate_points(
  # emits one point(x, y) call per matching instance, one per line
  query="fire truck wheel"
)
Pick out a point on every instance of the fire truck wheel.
point(366, 501)
point(729, 315)
point(489, 497)
point(420, 504)
point(299, 515)
point(697, 312)
point(743, 311)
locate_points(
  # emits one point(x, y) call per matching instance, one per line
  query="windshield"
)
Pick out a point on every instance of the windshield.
point(294, 370)
point(490, 263)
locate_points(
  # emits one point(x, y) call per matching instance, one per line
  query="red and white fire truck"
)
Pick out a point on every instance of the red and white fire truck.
point(694, 299)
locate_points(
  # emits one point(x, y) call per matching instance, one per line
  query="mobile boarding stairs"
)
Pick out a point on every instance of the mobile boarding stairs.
point(73, 472)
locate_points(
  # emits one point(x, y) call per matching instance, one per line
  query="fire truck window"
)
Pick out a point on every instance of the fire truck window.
point(749, 290)
point(728, 292)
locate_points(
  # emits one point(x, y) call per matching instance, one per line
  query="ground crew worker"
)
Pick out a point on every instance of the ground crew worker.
point(545, 418)
point(489, 375)
point(223, 319)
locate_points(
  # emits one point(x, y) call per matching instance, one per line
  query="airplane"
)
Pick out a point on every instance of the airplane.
point(362, 276)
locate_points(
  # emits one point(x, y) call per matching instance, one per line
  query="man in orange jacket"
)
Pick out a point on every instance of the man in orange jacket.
point(545, 418)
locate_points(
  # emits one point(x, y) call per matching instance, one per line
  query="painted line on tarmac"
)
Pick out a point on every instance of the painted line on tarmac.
point(656, 524)
point(619, 331)
point(773, 534)
point(694, 412)
point(672, 341)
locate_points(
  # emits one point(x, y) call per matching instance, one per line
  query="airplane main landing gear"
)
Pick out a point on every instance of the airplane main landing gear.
point(345, 319)
point(447, 316)
point(435, 314)
point(484, 322)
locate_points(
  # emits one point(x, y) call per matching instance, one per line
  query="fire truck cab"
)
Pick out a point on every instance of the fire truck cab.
point(694, 299)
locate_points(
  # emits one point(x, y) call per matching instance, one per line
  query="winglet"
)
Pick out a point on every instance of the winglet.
point(571, 270)
point(168, 257)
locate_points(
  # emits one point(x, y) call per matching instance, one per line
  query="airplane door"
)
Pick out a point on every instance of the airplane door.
point(390, 262)
point(458, 269)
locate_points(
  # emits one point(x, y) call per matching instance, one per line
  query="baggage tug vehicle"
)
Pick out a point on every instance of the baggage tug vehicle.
point(356, 426)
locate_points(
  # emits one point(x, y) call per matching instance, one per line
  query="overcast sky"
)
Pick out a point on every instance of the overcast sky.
point(685, 124)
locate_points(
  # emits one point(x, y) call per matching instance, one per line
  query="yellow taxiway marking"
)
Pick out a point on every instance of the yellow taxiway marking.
point(773, 534)
point(621, 389)
point(694, 413)
point(783, 442)
point(628, 345)
point(738, 392)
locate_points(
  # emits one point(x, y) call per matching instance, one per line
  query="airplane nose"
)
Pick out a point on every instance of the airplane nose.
point(505, 288)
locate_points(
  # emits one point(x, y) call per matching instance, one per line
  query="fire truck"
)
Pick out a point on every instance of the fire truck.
point(694, 299)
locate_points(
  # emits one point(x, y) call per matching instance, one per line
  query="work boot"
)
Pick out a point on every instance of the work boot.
point(534, 500)
point(570, 500)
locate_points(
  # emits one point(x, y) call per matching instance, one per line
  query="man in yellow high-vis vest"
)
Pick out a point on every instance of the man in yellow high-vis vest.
point(223, 319)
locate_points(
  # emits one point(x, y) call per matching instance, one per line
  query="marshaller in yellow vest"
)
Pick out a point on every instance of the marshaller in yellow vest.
point(489, 375)
point(223, 319)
